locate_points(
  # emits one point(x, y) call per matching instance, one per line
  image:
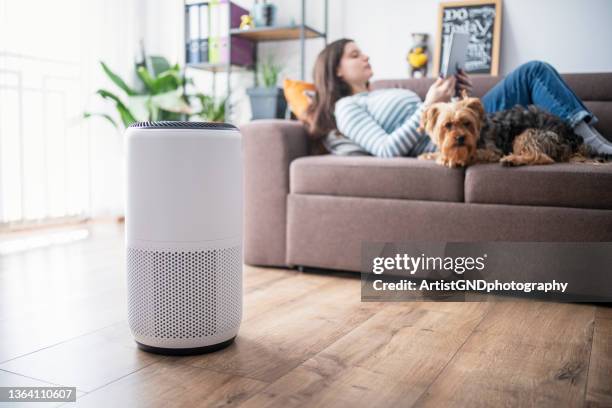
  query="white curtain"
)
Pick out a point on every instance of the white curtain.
point(52, 162)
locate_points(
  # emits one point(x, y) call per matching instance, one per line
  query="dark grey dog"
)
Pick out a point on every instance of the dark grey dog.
point(533, 129)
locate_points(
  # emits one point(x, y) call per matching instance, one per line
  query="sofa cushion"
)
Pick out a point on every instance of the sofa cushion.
point(603, 111)
point(557, 185)
point(403, 178)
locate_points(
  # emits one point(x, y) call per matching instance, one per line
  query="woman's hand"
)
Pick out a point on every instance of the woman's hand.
point(463, 82)
point(441, 91)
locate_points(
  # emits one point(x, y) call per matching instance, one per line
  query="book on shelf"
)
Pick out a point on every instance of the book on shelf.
point(208, 37)
point(192, 34)
point(213, 35)
point(203, 37)
point(225, 15)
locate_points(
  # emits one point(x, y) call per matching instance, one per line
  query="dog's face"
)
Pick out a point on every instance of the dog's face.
point(455, 128)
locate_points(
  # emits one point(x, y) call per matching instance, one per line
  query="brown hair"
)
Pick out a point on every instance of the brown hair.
point(329, 88)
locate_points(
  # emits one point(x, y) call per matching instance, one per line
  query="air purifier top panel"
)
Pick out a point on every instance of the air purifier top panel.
point(184, 183)
point(183, 125)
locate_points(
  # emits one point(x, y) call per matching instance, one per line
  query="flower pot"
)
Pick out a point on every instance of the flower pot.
point(267, 103)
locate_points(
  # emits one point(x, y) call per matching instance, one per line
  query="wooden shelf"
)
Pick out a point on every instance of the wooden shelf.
point(276, 33)
point(217, 67)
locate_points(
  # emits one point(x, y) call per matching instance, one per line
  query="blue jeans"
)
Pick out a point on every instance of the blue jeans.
point(538, 83)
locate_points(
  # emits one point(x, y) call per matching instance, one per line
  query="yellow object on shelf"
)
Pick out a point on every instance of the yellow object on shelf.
point(246, 22)
point(417, 58)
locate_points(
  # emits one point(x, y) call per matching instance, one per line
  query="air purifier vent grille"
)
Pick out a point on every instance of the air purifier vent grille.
point(184, 294)
point(170, 124)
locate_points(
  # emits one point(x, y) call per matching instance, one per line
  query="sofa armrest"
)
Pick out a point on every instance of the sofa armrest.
point(269, 146)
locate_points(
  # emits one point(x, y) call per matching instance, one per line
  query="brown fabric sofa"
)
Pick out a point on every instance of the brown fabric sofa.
point(315, 211)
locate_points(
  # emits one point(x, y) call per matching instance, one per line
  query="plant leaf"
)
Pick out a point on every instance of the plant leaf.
point(117, 80)
point(87, 115)
point(269, 72)
point(167, 81)
point(172, 102)
point(139, 106)
point(126, 116)
point(211, 110)
point(159, 64)
point(146, 78)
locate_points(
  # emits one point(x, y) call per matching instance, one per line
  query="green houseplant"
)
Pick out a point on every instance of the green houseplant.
point(159, 94)
point(267, 101)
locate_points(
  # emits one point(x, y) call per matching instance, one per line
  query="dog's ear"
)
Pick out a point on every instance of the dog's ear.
point(429, 118)
point(476, 106)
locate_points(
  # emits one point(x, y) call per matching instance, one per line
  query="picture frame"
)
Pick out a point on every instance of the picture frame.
point(481, 18)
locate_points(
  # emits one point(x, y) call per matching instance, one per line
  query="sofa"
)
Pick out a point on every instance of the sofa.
point(316, 210)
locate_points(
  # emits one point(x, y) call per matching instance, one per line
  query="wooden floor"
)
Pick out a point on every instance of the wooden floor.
point(306, 340)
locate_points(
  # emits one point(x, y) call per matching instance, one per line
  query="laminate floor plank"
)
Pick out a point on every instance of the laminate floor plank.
point(86, 362)
point(522, 354)
point(8, 379)
point(389, 360)
point(603, 312)
point(599, 385)
point(277, 340)
point(167, 384)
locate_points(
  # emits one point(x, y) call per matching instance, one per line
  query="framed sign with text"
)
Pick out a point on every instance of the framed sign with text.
point(482, 20)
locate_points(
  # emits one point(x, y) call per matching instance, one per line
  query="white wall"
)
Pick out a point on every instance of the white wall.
point(573, 35)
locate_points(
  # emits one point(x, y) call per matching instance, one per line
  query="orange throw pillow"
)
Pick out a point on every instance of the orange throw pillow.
point(295, 93)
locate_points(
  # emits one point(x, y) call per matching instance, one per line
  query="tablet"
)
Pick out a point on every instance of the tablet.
point(456, 54)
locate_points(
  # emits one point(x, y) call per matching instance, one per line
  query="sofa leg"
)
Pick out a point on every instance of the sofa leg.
point(300, 268)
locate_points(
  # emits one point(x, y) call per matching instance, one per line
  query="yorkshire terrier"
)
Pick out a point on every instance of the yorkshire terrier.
point(465, 135)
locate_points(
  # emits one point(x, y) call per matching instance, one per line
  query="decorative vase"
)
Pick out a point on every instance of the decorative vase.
point(264, 14)
point(267, 103)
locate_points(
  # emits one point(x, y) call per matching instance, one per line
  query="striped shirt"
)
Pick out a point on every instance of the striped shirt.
point(384, 122)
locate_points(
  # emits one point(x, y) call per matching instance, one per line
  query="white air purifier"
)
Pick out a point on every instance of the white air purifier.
point(183, 228)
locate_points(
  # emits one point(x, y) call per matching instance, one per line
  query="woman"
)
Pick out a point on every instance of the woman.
point(385, 122)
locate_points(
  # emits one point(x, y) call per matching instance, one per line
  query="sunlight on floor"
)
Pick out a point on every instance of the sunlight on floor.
point(41, 240)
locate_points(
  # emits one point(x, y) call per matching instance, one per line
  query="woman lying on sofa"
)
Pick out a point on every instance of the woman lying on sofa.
point(384, 122)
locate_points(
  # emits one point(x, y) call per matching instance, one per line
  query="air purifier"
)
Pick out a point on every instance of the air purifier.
point(183, 227)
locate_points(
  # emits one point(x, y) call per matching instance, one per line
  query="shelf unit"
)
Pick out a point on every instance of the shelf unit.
point(276, 33)
point(301, 32)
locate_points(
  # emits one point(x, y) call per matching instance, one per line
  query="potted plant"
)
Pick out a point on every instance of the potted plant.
point(267, 101)
point(158, 95)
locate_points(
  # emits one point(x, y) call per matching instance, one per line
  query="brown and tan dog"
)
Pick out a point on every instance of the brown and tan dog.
point(465, 135)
